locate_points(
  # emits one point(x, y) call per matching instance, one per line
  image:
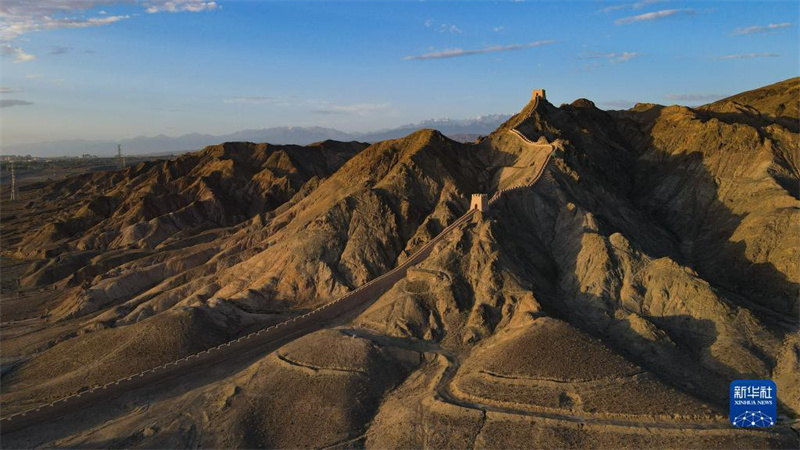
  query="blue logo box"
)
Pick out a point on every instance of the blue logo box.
point(754, 403)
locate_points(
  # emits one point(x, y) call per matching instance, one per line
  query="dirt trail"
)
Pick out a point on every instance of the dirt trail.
point(452, 363)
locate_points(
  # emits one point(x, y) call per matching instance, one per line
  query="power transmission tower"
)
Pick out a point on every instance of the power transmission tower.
point(120, 158)
point(14, 190)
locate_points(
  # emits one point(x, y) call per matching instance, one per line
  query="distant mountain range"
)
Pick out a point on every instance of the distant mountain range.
point(458, 129)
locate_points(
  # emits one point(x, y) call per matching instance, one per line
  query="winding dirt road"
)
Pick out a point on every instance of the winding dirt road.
point(451, 364)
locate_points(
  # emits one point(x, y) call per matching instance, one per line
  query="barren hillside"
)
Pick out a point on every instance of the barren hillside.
point(608, 305)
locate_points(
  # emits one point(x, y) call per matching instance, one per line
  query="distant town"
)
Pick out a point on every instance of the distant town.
point(29, 158)
point(31, 169)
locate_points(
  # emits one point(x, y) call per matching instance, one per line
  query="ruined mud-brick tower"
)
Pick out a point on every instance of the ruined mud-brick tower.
point(479, 202)
point(538, 93)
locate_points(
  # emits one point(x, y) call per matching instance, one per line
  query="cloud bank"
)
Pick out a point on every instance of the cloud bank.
point(60, 50)
point(9, 103)
point(21, 17)
point(17, 53)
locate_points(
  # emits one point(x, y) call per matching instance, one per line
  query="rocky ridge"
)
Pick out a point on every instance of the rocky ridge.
point(664, 238)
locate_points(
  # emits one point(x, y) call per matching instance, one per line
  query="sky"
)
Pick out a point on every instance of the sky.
point(105, 69)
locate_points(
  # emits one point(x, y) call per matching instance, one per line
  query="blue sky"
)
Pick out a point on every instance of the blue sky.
point(97, 69)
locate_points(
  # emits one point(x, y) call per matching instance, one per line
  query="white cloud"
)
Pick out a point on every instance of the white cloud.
point(358, 108)
point(18, 54)
point(625, 56)
point(180, 6)
point(498, 29)
point(748, 56)
point(456, 52)
point(8, 90)
point(646, 17)
point(20, 17)
point(761, 28)
point(33, 77)
point(442, 27)
point(20, 8)
point(82, 23)
point(637, 5)
point(12, 27)
point(614, 57)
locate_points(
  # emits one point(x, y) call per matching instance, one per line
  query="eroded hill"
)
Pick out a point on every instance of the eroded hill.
point(609, 306)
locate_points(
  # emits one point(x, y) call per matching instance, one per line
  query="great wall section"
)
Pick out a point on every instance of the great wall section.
point(281, 333)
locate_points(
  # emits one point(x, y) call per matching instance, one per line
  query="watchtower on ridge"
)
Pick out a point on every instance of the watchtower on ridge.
point(479, 202)
point(538, 93)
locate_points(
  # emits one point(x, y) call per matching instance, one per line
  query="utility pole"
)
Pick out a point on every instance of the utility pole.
point(14, 190)
point(120, 158)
